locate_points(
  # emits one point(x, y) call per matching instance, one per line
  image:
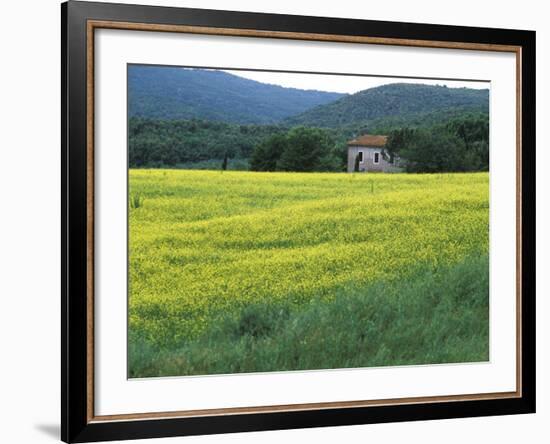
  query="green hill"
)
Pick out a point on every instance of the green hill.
point(392, 101)
point(180, 93)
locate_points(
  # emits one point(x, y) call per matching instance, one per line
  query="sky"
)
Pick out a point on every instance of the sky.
point(343, 84)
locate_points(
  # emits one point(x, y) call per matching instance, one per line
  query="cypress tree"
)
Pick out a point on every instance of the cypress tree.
point(224, 163)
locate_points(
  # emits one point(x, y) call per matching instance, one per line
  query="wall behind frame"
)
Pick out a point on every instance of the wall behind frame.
point(30, 209)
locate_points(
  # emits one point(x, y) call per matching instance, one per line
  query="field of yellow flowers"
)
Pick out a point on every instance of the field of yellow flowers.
point(258, 253)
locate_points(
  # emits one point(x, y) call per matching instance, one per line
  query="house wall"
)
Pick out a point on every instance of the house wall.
point(368, 160)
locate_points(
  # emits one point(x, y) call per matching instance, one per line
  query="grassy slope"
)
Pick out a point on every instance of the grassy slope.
point(213, 253)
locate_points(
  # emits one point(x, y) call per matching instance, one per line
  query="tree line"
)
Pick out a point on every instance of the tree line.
point(301, 149)
point(459, 144)
point(161, 143)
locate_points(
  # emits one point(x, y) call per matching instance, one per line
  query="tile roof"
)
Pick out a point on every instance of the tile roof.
point(369, 140)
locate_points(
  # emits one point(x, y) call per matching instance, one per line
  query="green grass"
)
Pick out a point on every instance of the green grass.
point(243, 272)
point(435, 315)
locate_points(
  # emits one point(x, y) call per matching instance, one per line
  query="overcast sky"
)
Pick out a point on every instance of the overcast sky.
point(342, 84)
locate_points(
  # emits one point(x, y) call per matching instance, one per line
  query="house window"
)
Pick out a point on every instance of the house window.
point(360, 155)
point(376, 157)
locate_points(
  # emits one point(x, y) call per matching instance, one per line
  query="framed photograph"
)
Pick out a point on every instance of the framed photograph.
point(275, 221)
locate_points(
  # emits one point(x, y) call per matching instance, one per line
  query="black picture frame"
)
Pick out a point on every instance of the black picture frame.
point(76, 423)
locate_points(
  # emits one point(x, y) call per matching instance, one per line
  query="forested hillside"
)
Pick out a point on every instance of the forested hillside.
point(175, 93)
point(395, 100)
point(206, 119)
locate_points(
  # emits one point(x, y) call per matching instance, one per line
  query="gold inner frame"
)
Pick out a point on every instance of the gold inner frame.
point(96, 24)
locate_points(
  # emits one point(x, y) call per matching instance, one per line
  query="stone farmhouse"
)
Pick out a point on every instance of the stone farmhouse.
point(368, 150)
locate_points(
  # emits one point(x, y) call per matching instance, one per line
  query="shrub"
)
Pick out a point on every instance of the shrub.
point(136, 201)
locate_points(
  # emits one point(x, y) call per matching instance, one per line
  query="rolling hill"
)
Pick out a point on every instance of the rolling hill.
point(394, 100)
point(180, 93)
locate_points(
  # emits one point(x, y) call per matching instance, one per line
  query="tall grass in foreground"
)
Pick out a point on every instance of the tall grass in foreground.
point(136, 201)
point(434, 314)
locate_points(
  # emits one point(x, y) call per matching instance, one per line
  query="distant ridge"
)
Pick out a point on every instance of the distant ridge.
point(180, 93)
point(394, 100)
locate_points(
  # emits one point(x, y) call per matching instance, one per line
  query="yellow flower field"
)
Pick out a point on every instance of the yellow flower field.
point(203, 243)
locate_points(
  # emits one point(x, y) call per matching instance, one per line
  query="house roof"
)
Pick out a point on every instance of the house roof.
point(369, 140)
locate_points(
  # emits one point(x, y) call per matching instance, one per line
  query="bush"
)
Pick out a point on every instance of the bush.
point(435, 151)
point(136, 200)
point(460, 145)
point(266, 155)
point(300, 149)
